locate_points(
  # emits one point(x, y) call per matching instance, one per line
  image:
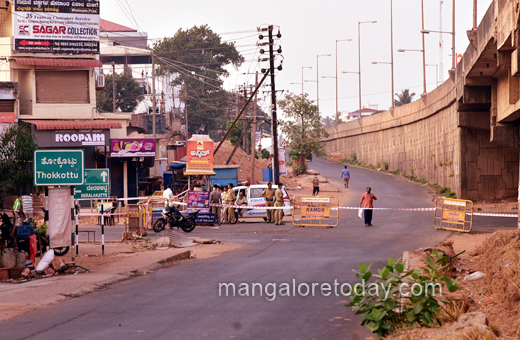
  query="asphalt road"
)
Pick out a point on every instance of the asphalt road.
point(183, 302)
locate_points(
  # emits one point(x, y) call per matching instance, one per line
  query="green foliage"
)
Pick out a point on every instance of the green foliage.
point(17, 144)
point(383, 165)
point(128, 94)
point(41, 230)
point(265, 154)
point(303, 127)
point(386, 309)
point(237, 131)
point(403, 98)
point(353, 156)
point(444, 191)
point(199, 57)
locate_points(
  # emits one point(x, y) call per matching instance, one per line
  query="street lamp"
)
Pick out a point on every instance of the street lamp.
point(302, 77)
point(391, 65)
point(359, 57)
point(452, 43)
point(318, 79)
point(424, 66)
point(391, 50)
point(436, 73)
point(336, 115)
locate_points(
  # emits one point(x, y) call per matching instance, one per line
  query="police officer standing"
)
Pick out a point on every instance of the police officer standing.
point(214, 198)
point(269, 202)
point(278, 195)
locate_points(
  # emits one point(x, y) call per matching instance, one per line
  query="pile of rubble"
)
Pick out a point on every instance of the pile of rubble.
point(240, 158)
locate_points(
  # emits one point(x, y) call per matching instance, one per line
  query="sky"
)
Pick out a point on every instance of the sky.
point(310, 28)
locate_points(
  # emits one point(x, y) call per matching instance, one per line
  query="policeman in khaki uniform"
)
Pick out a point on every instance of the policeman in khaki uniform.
point(278, 195)
point(215, 198)
point(231, 197)
point(269, 202)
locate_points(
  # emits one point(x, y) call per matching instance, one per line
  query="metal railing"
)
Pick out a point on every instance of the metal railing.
point(25, 107)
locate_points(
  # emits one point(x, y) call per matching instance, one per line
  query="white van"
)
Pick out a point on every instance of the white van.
point(254, 199)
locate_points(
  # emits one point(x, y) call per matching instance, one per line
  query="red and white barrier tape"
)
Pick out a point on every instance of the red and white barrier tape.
point(494, 215)
point(410, 209)
point(247, 206)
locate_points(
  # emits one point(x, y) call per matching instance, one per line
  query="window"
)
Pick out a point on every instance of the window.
point(54, 86)
point(256, 192)
point(6, 105)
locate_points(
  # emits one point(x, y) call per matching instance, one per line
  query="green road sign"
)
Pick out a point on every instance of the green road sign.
point(58, 167)
point(95, 186)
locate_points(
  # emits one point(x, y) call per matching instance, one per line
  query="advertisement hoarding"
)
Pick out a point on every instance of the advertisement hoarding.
point(132, 148)
point(200, 155)
point(281, 162)
point(63, 27)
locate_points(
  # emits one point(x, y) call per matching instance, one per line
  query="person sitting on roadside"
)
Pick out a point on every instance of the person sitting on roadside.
point(241, 200)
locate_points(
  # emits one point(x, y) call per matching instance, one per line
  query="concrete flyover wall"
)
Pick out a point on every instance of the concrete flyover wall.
point(425, 138)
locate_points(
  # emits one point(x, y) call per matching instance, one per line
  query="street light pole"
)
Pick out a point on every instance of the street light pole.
point(359, 57)
point(302, 77)
point(453, 37)
point(392, 79)
point(318, 79)
point(423, 51)
point(392, 49)
point(337, 119)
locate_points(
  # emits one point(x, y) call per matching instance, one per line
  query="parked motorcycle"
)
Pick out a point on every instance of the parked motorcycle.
point(174, 218)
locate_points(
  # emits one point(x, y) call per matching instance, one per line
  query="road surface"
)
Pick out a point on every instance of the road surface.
point(183, 302)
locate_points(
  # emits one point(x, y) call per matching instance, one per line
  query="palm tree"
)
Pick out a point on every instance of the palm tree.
point(405, 97)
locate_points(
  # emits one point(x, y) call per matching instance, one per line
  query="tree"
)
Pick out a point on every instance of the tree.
point(328, 122)
point(198, 57)
point(303, 127)
point(128, 94)
point(17, 144)
point(405, 97)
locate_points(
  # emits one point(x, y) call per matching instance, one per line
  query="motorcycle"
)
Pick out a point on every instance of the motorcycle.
point(174, 218)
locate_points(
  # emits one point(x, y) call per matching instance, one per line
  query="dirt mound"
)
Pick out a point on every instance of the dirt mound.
point(242, 159)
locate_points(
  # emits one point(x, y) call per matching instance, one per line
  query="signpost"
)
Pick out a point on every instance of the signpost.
point(95, 186)
point(58, 167)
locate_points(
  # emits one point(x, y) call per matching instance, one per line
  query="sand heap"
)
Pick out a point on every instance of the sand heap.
point(242, 159)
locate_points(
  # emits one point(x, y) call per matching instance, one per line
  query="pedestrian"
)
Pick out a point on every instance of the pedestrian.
point(241, 200)
point(224, 198)
point(278, 194)
point(168, 196)
point(345, 174)
point(231, 197)
point(269, 202)
point(315, 185)
point(369, 198)
point(215, 198)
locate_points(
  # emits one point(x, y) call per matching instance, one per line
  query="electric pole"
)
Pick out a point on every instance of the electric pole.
point(253, 136)
point(274, 117)
point(114, 87)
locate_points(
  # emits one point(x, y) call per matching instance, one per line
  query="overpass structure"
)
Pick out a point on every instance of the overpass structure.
point(465, 133)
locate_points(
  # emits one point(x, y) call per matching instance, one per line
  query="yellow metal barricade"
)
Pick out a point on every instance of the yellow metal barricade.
point(133, 222)
point(335, 157)
point(319, 211)
point(453, 214)
point(154, 208)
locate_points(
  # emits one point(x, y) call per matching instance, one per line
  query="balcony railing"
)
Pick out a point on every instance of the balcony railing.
point(25, 107)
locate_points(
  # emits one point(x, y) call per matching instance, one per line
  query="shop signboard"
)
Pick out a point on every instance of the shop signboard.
point(200, 154)
point(58, 167)
point(7, 117)
point(281, 162)
point(7, 93)
point(64, 27)
point(72, 138)
point(199, 200)
point(132, 148)
point(96, 185)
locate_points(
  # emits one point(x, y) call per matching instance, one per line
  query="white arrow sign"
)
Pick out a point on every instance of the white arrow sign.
point(104, 175)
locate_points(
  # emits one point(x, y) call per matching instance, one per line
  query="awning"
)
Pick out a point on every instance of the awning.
point(74, 124)
point(59, 62)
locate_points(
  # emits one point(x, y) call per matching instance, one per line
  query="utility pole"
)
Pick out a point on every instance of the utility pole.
point(245, 125)
point(274, 117)
point(253, 136)
point(113, 87)
point(154, 117)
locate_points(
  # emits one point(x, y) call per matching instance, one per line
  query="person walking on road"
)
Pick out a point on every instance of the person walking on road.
point(278, 194)
point(345, 174)
point(315, 185)
point(215, 198)
point(231, 197)
point(369, 198)
point(269, 202)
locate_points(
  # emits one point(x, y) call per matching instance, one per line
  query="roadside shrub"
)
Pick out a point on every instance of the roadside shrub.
point(265, 154)
point(386, 309)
